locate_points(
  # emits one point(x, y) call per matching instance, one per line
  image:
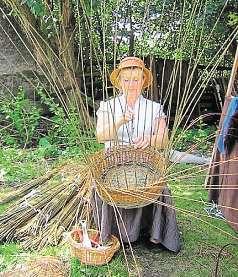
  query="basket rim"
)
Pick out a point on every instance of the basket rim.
point(114, 246)
point(122, 149)
point(156, 163)
point(125, 155)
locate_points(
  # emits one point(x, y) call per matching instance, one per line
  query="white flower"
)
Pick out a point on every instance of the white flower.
point(2, 173)
point(32, 193)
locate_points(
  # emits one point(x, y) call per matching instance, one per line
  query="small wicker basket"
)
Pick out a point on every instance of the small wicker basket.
point(132, 195)
point(93, 256)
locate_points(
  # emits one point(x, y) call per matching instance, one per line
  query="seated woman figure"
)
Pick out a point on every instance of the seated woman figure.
point(131, 119)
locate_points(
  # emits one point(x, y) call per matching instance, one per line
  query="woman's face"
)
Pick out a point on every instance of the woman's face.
point(132, 80)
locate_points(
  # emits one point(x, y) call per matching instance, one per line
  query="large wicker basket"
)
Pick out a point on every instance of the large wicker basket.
point(93, 256)
point(131, 195)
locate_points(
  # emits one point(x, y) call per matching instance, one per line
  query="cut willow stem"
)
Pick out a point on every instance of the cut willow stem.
point(25, 188)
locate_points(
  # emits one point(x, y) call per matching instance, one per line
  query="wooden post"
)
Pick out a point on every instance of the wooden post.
point(233, 75)
point(155, 90)
point(228, 93)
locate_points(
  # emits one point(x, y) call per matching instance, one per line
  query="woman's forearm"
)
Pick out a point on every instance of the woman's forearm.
point(160, 141)
point(160, 137)
point(108, 131)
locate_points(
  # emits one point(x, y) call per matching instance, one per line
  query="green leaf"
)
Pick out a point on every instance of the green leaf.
point(43, 142)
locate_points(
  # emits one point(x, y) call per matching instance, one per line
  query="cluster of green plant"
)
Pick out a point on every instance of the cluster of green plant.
point(22, 117)
point(66, 129)
point(21, 165)
point(36, 7)
point(233, 19)
point(197, 139)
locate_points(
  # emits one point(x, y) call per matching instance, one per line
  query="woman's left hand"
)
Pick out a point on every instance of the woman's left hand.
point(142, 142)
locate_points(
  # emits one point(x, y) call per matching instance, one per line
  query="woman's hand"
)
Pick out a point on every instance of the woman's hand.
point(142, 142)
point(127, 116)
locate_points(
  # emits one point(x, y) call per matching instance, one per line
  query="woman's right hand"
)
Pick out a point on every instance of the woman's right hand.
point(127, 116)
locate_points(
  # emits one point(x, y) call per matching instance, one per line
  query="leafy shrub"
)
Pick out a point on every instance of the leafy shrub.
point(23, 126)
point(199, 138)
point(65, 128)
point(22, 118)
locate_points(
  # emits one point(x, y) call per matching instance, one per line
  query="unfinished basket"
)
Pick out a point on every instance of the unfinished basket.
point(129, 177)
point(93, 256)
point(41, 267)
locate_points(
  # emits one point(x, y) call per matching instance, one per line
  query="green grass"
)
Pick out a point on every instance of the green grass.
point(9, 254)
point(202, 236)
point(116, 268)
point(21, 165)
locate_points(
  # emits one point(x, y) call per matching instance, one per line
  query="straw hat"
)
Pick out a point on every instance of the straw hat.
point(127, 63)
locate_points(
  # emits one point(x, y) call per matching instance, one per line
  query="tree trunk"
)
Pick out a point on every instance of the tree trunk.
point(30, 27)
point(67, 56)
point(45, 56)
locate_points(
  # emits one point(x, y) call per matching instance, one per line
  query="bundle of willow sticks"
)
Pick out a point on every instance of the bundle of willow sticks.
point(47, 207)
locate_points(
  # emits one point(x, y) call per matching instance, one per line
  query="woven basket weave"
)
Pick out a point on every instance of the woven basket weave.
point(93, 256)
point(44, 266)
point(131, 195)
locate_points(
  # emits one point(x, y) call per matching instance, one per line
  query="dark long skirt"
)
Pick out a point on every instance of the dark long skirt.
point(159, 220)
